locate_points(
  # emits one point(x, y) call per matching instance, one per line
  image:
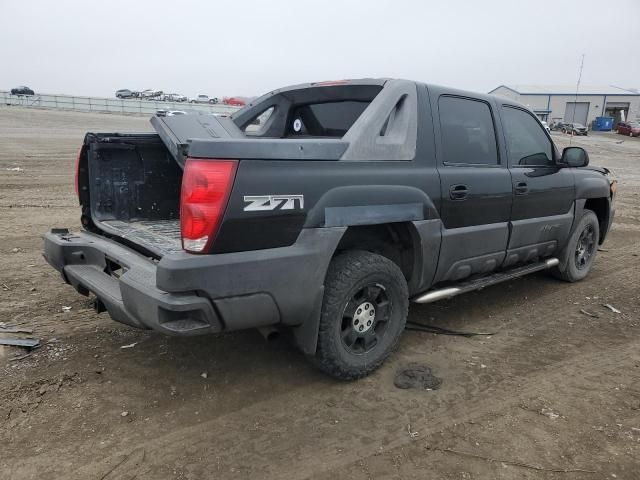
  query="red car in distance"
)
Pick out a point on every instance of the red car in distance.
point(629, 128)
point(234, 101)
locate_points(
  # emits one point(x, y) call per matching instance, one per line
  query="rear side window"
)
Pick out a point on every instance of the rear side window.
point(527, 141)
point(259, 122)
point(468, 134)
point(331, 119)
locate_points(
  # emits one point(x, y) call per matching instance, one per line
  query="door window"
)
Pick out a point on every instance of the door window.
point(468, 135)
point(527, 141)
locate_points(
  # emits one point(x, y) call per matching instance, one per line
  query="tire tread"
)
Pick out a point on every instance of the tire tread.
point(344, 270)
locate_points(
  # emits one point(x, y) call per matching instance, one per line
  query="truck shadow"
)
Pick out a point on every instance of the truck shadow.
point(232, 358)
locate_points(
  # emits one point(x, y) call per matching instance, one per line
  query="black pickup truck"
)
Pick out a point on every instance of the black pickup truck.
point(324, 209)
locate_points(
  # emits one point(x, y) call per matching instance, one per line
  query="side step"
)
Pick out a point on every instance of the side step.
point(435, 295)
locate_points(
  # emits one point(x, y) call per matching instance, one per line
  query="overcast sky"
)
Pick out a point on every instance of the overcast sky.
point(248, 47)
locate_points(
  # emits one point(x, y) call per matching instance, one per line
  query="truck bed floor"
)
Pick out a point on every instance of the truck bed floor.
point(159, 236)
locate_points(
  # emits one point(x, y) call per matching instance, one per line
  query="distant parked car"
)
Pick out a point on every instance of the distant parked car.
point(125, 93)
point(574, 129)
point(22, 91)
point(150, 94)
point(169, 113)
point(204, 99)
point(234, 101)
point(556, 126)
point(629, 128)
point(174, 97)
point(544, 124)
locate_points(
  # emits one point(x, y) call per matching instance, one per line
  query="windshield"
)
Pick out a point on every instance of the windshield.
point(578, 125)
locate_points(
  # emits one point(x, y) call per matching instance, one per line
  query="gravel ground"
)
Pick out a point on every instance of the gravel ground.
point(555, 393)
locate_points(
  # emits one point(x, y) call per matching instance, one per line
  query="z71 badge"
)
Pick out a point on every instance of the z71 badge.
point(273, 202)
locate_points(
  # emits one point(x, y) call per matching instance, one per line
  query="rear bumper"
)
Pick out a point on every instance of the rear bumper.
point(186, 294)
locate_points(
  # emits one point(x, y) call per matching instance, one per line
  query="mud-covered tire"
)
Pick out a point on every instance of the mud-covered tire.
point(355, 282)
point(574, 266)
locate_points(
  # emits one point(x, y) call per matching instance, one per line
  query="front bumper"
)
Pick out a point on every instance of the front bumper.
point(184, 294)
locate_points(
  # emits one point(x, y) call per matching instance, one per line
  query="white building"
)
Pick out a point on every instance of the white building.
point(560, 103)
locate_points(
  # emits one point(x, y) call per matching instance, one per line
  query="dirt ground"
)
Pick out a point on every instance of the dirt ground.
point(555, 393)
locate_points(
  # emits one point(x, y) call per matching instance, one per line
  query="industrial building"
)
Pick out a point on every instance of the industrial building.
point(561, 104)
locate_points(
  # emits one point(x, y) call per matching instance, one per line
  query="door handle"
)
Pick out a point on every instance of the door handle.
point(521, 188)
point(458, 192)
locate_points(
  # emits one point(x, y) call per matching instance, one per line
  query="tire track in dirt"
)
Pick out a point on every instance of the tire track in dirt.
point(215, 443)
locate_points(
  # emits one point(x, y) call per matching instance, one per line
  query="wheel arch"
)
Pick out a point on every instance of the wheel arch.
point(413, 245)
point(601, 207)
point(354, 205)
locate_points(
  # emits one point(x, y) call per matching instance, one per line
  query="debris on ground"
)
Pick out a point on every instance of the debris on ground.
point(204, 374)
point(417, 376)
point(20, 357)
point(14, 169)
point(131, 345)
point(66, 309)
point(589, 314)
point(20, 342)
point(611, 307)
point(411, 433)
point(16, 330)
point(124, 414)
point(547, 412)
point(423, 327)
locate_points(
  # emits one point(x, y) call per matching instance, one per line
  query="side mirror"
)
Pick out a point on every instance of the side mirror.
point(575, 157)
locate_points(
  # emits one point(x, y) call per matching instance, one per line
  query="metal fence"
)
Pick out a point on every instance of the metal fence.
point(110, 105)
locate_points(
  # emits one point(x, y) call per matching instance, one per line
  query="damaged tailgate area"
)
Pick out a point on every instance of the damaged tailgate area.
point(134, 190)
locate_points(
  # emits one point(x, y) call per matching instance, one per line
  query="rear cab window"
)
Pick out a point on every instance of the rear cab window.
point(331, 119)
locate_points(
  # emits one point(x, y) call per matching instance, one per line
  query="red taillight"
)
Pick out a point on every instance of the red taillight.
point(206, 185)
point(78, 173)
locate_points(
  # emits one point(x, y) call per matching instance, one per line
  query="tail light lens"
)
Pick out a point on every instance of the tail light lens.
point(206, 185)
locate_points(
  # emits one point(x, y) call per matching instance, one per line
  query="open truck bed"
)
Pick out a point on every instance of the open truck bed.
point(131, 190)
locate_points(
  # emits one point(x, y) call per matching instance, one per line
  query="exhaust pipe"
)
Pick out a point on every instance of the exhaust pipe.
point(269, 333)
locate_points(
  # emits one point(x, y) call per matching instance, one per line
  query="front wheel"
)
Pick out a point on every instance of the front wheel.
point(364, 312)
point(580, 252)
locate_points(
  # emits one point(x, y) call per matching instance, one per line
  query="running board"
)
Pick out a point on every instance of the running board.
point(435, 295)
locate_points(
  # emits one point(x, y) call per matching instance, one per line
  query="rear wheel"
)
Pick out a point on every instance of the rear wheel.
point(363, 314)
point(580, 252)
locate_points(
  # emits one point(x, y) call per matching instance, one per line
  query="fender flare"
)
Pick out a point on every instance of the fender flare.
point(370, 205)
